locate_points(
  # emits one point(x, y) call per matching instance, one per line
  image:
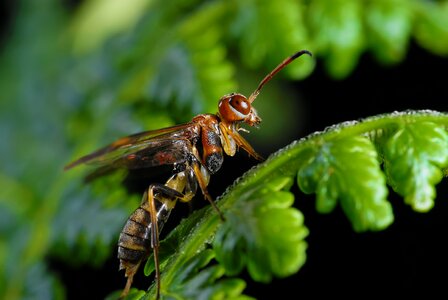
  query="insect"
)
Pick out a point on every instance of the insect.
point(195, 151)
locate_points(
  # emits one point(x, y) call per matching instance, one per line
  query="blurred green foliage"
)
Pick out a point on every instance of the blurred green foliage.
point(71, 81)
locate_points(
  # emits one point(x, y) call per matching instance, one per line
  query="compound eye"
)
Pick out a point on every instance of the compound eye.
point(240, 104)
point(234, 107)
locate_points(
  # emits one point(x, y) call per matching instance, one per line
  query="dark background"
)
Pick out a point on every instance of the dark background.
point(410, 256)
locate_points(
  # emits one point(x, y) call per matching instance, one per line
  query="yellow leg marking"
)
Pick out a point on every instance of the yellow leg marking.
point(154, 238)
point(203, 186)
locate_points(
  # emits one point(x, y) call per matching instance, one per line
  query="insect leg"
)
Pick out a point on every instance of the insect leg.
point(202, 177)
point(141, 230)
point(154, 237)
point(171, 193)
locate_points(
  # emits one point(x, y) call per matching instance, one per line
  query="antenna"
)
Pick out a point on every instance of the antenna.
point(275, 71)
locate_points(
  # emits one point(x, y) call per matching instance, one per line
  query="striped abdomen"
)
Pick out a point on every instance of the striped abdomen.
point(134, 243)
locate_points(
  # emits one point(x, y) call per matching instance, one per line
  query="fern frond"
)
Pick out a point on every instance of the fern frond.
point(339, 164)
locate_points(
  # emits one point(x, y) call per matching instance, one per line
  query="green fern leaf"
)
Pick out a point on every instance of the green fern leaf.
point(266, 39)
point(414, 158)
point(172, 243)
point(195, 282)
point(269, 238)
point(389, 25)
point(348, 169)
point(91, 237)
point(431, 28)
point(338, 34)
point(191, 48)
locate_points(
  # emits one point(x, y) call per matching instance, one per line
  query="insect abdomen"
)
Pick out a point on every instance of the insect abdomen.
point(134, 243)
point(135, 238)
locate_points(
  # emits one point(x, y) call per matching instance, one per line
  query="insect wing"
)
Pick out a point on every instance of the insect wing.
point(142, 150)
point(159, 152)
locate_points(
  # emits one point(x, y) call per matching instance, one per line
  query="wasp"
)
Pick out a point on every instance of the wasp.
point(195, 150)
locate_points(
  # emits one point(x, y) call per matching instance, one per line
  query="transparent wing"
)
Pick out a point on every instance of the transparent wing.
point(144, 150)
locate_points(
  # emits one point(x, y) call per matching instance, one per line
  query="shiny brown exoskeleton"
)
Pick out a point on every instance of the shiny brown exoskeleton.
point(180, 146)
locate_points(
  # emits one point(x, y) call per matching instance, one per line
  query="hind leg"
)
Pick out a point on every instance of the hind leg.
point(151, 215)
